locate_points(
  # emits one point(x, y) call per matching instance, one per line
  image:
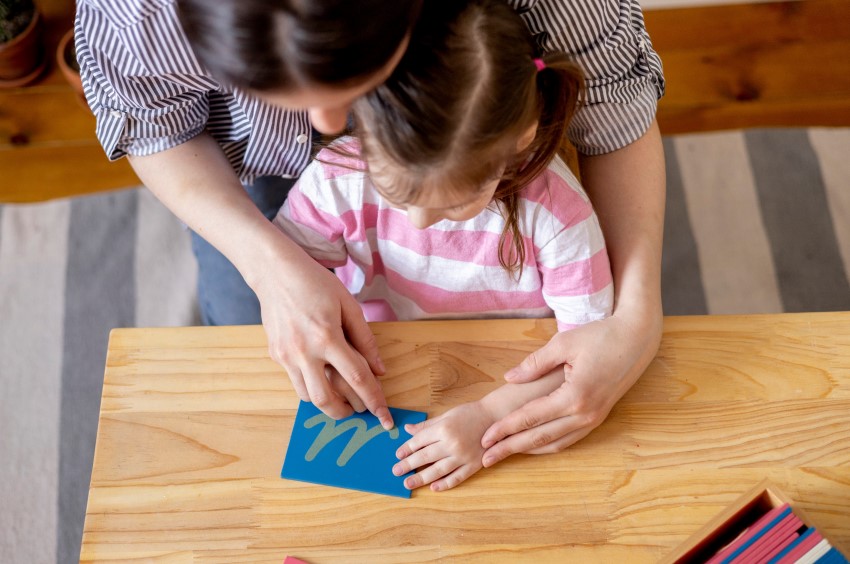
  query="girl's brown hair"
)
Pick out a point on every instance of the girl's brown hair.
point(453, 111)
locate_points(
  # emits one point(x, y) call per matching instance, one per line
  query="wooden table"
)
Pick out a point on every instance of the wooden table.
point(194, 424)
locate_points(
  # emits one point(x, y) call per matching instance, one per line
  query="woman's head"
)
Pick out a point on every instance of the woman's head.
point(314, 54)
point(466, 111)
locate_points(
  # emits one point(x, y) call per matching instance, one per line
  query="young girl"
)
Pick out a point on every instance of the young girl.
point(452, 203)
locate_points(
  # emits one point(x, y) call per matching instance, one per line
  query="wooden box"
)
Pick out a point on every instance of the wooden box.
point(732, 521)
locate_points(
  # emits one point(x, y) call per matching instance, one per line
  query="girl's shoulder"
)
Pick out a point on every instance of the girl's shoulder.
point(340, 158)
point(338, 176)
point(556, 187)
point(554, 204)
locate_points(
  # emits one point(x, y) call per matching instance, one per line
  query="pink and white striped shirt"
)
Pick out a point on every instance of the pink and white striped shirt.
point(451, 269)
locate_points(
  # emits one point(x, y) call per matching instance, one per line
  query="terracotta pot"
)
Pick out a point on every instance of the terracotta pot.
point(22, 59)
point(65, 58)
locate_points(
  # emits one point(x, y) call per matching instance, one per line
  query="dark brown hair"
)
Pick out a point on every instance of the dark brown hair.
point(453, 110)
point(287, 44)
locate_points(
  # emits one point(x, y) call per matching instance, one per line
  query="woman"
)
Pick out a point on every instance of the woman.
point(211, 95)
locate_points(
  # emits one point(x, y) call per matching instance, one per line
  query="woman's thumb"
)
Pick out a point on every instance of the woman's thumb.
point(362, 339)
point(535, 365)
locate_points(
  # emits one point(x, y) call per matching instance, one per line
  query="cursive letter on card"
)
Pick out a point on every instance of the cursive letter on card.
point(332, 430)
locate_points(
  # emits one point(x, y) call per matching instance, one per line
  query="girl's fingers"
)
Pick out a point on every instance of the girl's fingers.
point(418, 441)
point(434, 472)
point(420, 457)
point(414, 428)
point(455, 478)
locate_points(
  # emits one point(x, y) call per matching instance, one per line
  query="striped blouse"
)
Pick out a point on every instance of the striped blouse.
point(149, 93)
point(451, 269)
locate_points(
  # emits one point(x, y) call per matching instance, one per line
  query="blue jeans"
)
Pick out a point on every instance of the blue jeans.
point(223, 295)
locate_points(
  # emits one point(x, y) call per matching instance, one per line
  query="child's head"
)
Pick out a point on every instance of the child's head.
point(466, 117)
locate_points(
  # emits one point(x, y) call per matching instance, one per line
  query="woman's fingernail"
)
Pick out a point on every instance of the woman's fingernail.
point(385, 418)
point(381, 365)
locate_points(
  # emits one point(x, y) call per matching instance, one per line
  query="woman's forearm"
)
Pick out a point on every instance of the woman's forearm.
point(311, 320)
point(627, 188)
point(196, 182)
point(603, 359)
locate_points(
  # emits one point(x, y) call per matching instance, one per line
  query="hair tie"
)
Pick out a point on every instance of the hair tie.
point(539, 64)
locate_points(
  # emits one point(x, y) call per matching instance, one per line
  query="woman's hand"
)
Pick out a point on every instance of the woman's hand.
point(603, 359)
point(447, 449)
point(315, 328)
point(600, 360)
point(317, 332)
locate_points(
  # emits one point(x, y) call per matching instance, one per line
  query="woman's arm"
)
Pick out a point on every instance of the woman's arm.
point(605, 358)
point(309, 317)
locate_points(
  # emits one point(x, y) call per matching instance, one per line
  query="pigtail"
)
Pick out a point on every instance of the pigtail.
point(511, 242)
point(558, 87)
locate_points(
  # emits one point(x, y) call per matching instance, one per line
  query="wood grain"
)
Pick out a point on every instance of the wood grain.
point(194, 424)
point(754, 65)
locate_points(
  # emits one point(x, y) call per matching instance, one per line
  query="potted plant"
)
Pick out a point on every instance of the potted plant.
point(22, 57)
point(66, 60)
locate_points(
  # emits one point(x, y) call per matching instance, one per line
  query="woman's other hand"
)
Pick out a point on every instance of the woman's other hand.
point(601, 361)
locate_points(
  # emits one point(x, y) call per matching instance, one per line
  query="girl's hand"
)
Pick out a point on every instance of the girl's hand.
point(601, 362)
point(317, 332)
point(447, 449)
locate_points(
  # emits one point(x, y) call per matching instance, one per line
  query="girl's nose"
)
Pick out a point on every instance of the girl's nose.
point(421, 218)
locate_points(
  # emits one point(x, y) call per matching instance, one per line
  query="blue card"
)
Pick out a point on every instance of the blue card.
point(354, 453)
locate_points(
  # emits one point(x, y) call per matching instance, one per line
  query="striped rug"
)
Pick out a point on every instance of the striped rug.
point(757, 221)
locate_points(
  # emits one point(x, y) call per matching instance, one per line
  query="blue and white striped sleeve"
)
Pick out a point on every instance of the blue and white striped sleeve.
point(139, 109)
point(624, 76)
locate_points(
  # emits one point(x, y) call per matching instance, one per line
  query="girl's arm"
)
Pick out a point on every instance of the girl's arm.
point(307, 313)
point(602, 360)
point(451, 443)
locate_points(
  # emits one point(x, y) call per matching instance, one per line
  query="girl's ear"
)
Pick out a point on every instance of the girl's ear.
point(526, 138)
